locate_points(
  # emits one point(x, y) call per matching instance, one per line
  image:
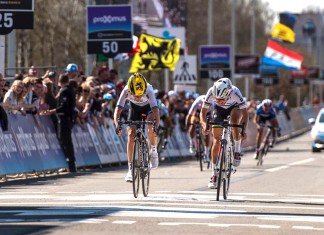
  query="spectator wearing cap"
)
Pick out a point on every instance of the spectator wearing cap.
point(72, 71)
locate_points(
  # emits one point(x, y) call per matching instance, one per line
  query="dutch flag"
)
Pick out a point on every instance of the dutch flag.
point(276, 55)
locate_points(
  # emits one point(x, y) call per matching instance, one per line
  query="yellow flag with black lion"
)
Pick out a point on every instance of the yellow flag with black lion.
point(155, 53)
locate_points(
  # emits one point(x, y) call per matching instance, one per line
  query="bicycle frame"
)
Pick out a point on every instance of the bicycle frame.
point(141, 158)
point(199, 145)
point(225, 157)
point(265, 146)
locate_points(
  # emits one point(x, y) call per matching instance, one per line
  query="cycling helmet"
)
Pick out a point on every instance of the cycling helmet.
point(137, 84)
point(222, 88)
point(266, 103)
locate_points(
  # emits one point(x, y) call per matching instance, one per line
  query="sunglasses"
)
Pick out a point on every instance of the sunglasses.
point(86, 90)
point(218, 100)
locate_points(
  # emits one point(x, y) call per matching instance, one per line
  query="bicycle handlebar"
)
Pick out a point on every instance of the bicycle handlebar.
point(226, 124)
point(123, 122)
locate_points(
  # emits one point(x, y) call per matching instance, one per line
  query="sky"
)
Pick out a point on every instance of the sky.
point(293, 6)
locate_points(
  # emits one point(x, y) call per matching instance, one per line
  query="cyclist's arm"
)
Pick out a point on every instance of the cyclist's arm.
point(203, 114)
point(256, 119)
point(156, 113)
point(117, 113)
point(188, 118)
point(245, 118)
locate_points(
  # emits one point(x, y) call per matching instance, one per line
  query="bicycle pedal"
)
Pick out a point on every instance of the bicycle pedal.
point(233, 171)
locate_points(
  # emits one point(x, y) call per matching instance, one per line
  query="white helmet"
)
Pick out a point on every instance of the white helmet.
point(266, 103)
point(222, 88)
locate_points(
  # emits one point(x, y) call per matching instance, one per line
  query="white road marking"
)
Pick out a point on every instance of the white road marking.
point(90, 221)
point(220, 225)
point(290, 164)
point(307, 228)
point(124, 222)
point(314, 219)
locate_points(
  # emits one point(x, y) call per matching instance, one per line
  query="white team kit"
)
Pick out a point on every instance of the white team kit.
point(235, 99)
point(147, 98)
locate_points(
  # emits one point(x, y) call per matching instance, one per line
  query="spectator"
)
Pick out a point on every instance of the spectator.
point(13, 100)
point(65, 111)
point(33, 98)
point(282, 106)
point(72, 71)
point(19, 76)
point(32, 72)
point(103, 75)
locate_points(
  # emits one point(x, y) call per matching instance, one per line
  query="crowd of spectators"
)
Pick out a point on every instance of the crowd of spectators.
point(175, 12)
point(96, 96)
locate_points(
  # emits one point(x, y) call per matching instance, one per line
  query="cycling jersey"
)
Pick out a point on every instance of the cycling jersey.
point(264, 116)
point(147, 98)
point(235, 99)
point(197, 105)
point(164, 112)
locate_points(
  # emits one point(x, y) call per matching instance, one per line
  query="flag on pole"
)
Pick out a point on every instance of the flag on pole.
point(155, 53)
point(283, 33)
point(284, 30)
point(276, 55)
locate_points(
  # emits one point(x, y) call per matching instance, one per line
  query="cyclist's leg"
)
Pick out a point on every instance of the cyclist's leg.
point(275, 124)
point(192, 133)
point(152, 139)
point(258, 141)
point(236, 117)
point(134, 115)
point(217, 133)
point(207, 143)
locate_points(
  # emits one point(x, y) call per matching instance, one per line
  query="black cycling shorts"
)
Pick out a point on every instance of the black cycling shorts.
point(136, 111)
point(220, 114)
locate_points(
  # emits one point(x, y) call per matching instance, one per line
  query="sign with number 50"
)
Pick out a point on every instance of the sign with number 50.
point(109, 29)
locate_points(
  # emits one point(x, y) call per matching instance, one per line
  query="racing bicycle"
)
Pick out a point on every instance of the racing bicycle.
point(141, 158)
point(200, 155)
point(266, 142)
point(226, 155)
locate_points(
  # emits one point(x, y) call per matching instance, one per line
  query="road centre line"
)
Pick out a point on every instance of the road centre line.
point(220, 225)
point(307, 228)
point(290, 164)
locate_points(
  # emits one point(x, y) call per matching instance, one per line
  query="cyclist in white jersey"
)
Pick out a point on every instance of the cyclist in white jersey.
point(228, 102)
point(194, 116)
point(142, 100)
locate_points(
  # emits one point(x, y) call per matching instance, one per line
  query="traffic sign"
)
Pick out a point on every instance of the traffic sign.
point(16, 15)
point(109, 29)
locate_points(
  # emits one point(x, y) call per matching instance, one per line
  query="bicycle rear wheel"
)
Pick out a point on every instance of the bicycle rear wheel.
point(220, 172)
point(228, 171)
point(135, 168)
point(145, 174)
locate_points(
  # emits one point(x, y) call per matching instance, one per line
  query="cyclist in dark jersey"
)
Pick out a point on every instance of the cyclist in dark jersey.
point(265, 113)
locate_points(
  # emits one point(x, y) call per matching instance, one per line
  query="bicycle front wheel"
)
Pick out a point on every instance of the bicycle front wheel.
point(228, 172)
point(220, 172)
point(145, 174)
point(136, 168)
